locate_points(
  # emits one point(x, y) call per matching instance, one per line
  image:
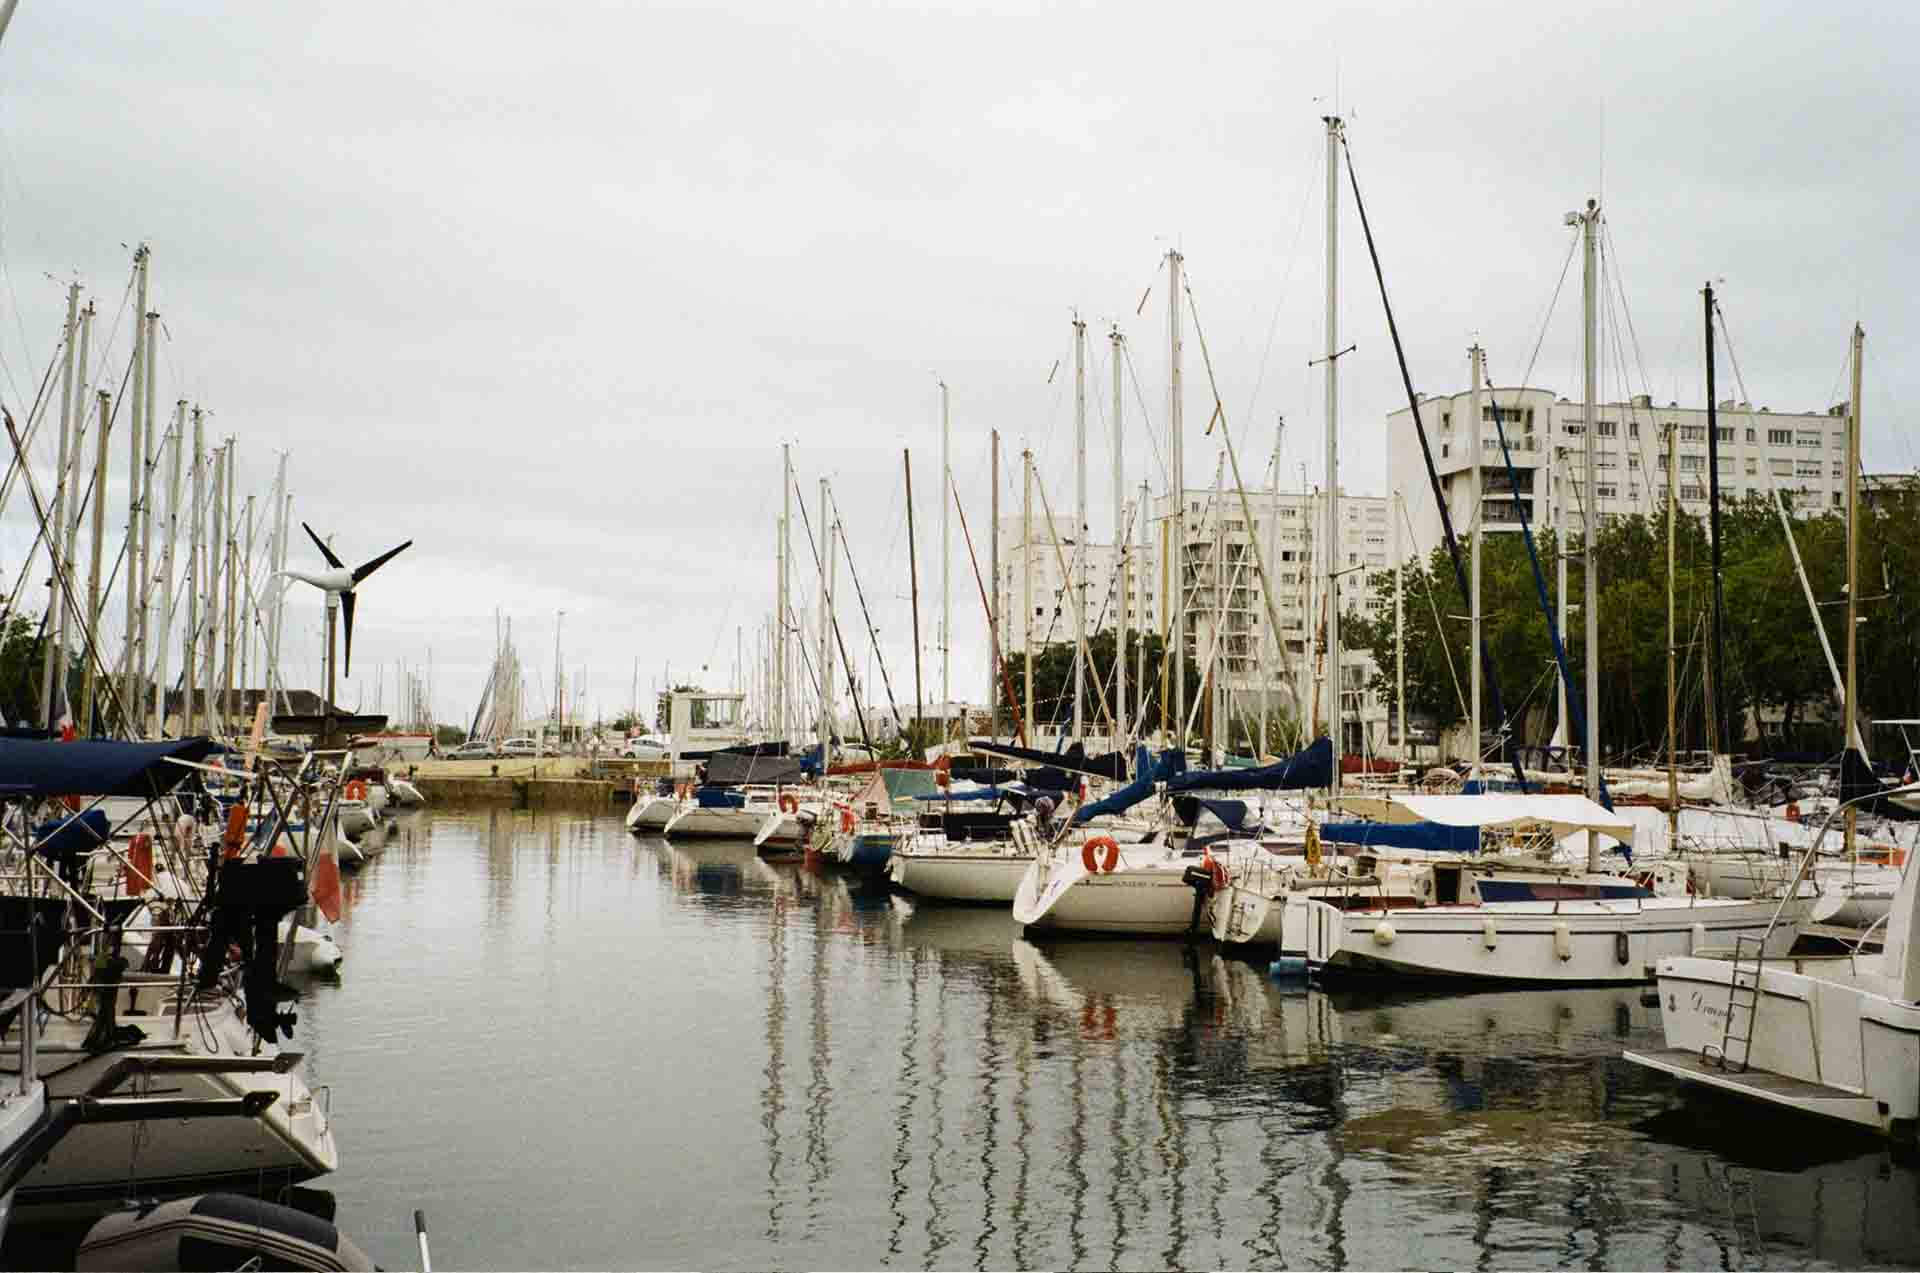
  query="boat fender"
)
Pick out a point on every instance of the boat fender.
point(1489, 936)
point(846, 821)
point(235, 837)
point(1621, 954)
point(788, 804)
point(1092, 859)
point(1383, 934)
point(1793, 811)
point(1562, 942)
point(1697, 939)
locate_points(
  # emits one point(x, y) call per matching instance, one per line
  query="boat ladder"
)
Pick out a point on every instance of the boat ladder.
point(1743, 1004)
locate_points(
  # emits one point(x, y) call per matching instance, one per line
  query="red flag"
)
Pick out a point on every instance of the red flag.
point(325, 885)
point(139, 868)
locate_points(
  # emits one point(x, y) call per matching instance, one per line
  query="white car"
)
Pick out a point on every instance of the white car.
point(646, 747)
point(519, 747)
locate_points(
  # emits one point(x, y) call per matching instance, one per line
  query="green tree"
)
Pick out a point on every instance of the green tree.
point(1053, 680)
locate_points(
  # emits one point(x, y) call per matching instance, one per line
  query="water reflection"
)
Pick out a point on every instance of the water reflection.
point(749, 1065)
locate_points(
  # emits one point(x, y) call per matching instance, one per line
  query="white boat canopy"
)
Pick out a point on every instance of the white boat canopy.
point(1567, 815)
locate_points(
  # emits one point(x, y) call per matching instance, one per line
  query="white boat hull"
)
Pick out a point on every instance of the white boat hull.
point(959, 877)
point(1846, 1049)
point(1146, 895)
point(715, 824)
point(650, 814)
point(1567, 942)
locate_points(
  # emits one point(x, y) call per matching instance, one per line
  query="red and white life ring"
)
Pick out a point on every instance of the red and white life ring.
point(846, 821)
point(1793, 811)
point(788, 804)
point(1089, 854)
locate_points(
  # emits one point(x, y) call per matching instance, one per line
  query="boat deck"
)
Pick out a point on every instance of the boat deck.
point(1764, 1085)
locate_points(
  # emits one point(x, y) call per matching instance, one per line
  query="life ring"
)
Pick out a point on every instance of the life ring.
point(1793, 811)
point(788, 804)
point(846, 821)
point(356, 789)
point(1090, 850)
point(234, 839)
point(1216, 871)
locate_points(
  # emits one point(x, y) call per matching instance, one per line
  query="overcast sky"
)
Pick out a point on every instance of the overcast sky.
point(542, 287)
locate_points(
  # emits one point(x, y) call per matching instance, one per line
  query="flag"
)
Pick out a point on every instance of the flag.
point(139, 868)
point(324, 885)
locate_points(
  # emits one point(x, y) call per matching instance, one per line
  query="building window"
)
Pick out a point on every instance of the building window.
point(1753, 466)
point(1693, 492)
point(1607, 429)
point(1839, 441)
point(1725, 432)
point(1807, 468)
point(1633, 428)
point(1779, 437)
point(1752, 436)
point(1575, 428)
point(1692, 463)
point(1780, 468)
point(1633, 461)
point(1607, 491)
point(1693, 433)
point(1837, 499)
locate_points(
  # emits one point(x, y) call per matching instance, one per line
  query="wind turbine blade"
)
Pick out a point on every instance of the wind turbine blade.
point(380, 561)
point(346, 630)
point(325, 551)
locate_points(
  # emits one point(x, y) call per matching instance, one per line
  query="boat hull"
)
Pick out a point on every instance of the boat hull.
point(1564, 943)
point(959, 877)
point(1146, 895)
point(715, 824)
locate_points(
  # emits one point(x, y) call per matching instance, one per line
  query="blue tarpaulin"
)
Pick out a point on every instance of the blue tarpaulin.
point(95, 767)
point(1149, 770)
point(718, 798)
point(1312, 767)
point(1403, 835)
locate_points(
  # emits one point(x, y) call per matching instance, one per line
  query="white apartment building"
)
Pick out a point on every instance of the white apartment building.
point(1225, 604)
point(1801, 453)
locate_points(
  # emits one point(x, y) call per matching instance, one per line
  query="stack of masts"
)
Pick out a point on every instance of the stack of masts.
point(218, 625)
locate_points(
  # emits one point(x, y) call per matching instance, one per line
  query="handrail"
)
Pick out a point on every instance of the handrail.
point(1792, 892)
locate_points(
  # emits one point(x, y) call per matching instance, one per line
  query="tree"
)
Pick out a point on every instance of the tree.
point(1053, 681)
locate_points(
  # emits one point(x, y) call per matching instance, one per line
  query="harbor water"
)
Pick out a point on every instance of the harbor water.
point(576, 1048)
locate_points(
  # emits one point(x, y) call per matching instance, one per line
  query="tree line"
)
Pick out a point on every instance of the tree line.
point(1774, 671)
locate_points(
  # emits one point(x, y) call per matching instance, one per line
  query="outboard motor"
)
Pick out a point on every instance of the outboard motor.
point(249, 901)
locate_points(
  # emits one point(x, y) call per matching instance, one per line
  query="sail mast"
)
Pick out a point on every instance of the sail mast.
point(1330, 552)
point(1474, 512)
point(1079, 581)
point(1719, 651)
point(1590, 601)
point(1175, 574)
point(1853, 562)
point(1120, 554)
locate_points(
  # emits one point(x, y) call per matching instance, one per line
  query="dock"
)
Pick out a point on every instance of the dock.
point(556, 782)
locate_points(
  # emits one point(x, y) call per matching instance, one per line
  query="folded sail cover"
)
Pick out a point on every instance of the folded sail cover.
point(1151, 771)
point(96, 767)
point(1434, 836)
point(725, 768)
point(1312, 767)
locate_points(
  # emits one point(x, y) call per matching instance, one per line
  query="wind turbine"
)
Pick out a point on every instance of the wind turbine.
point(339, 584)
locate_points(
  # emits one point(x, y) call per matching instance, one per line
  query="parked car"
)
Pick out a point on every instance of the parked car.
point(646, 747)
point(479, 749)
point(519, 747)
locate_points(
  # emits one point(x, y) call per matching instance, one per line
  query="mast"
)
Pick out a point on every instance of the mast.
point(1331, 552)
point(56, 647)
point(247, 612)
point(1559, 478)
point(136, 446)
point(1139, 569)
point(1079, 581)
point(145, 478)
point(913, 574)
point(1399, 626)
point(229, 614)
point(1270, 642)
point(1474, 498)
point(176, 438)
point(780, 602)
point(1590, 601)
point(826, 638)
point(216, 559)
point(1120, 554)
point(1719, 651)
point(1026, 595)
point(1175, 593)
point(1673, 739)
point(946, 564)
point(92, 634)
point(1853, 562)
point(196, 580)
point(993, 566)
point(278, 560)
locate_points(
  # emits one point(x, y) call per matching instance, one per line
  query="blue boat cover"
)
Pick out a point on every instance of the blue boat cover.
point(96, 767)
point(1149, 770)
point(77, 834)
point(1232, 814)
point(1312, 767)
point(1403, 835)
point(985, 793)
point(718, 798)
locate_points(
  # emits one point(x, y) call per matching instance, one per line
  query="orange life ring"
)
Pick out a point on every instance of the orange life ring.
point(1793, 811)
point(356, 789)
point(235, 837)
point(788, 804)
point(1089, 850)
point(1216, 870)
point(846, 821)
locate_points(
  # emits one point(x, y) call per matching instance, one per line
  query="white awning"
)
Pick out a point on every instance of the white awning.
point(1566, 814)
